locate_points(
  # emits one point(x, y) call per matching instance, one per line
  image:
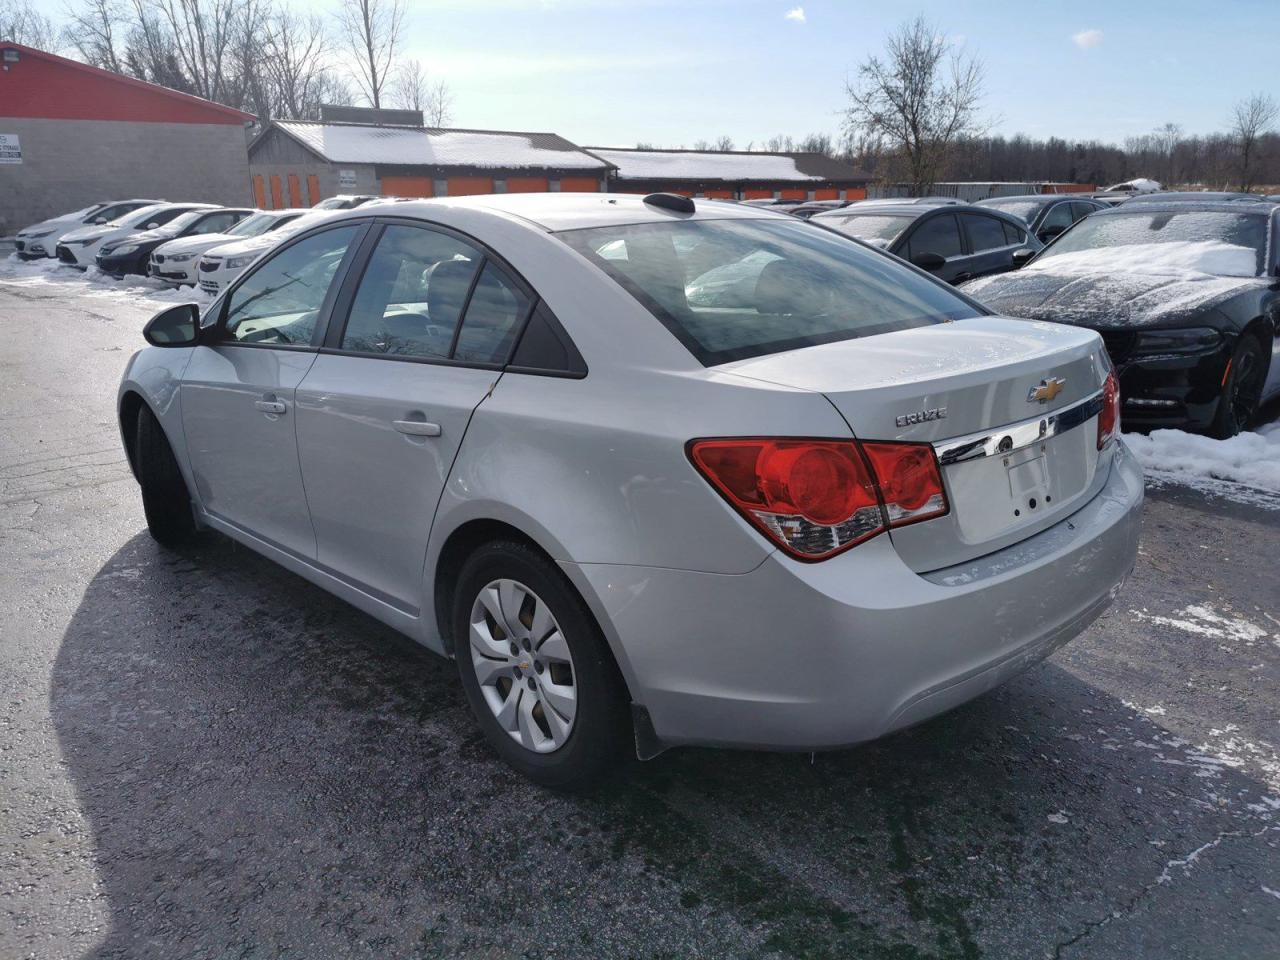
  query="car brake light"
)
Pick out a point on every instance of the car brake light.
point(1109, 416)
point(817, 498)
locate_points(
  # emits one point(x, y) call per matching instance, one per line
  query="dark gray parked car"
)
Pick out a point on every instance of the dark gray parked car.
point(953, 241)
point(1046, 214)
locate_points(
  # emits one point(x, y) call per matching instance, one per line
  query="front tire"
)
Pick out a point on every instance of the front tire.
point(536, 669)
point(1242, 389)
point(165, 499)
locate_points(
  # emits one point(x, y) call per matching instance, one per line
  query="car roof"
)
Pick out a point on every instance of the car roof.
point(1044, 197)
point(909, 210)
point(1194, 195)
point(1260, 207)
point(572, 211)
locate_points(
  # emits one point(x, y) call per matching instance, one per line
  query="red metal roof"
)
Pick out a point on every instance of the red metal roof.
point(45, 86)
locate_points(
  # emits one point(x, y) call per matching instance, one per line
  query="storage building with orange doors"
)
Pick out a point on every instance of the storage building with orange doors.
point(733, 174)
point(297, 164)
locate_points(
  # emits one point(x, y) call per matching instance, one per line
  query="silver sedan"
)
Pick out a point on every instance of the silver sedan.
point(653, 472)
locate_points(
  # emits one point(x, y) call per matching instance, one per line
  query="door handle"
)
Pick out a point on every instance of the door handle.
point(269, 406)
point(417, 428)
point(962, 277)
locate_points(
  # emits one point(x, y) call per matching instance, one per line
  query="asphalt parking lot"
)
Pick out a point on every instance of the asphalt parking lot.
point(202, 755)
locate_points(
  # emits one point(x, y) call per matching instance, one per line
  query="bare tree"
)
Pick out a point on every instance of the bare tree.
point(921, 99)
point(1251, 119)
point(415, 90)
point(295, 54)
point(723, 143)
point(94, 30)
point(202, 31)
point(20, 22)
point(371, 31)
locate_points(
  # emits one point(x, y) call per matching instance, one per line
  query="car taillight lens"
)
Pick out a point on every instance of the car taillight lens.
point(1109, 416)
point(816, 498)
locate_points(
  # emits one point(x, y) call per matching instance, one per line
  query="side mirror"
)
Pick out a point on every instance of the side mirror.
point(152, 226)
point(99, 220)
point(1048, 233)
point(176, 327)
point(926, 260)
point(1022, 255)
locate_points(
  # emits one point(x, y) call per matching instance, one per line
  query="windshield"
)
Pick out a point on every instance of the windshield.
point(180, 223)
point(1184, 242)
point(1019, 207)
point(730, 289)
point(137, 217)
point(333, 203)
point(878, 228)
point(253, 225)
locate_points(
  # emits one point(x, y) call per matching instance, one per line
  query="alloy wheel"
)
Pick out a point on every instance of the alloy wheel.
point(523, 665)
point(1246, 387)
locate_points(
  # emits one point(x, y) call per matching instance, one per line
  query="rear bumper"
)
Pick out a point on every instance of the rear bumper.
point(799, 656)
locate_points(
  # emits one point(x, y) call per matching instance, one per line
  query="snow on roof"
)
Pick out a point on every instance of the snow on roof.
point(411, 146)
point(705, 165)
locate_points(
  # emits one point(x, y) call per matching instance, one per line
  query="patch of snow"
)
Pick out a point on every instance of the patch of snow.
point(445, 148)
point(1060, 817)
point(1203, 620)
point(1245, 467)
point(1137, 185)
point(695, 165)
point(1185, 259)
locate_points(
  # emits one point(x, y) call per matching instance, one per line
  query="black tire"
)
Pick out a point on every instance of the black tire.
point(1242, 389)
point(601, 731)
point(164, 493)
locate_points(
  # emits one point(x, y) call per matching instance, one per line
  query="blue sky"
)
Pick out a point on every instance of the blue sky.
point(671, 72)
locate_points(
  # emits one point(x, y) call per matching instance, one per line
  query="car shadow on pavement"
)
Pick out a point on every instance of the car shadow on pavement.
point(267, 772)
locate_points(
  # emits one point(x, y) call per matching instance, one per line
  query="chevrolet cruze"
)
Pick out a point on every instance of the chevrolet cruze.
point(503, 425)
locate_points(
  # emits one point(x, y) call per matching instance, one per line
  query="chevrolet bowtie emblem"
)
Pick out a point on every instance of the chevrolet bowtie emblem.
point(1048, 388)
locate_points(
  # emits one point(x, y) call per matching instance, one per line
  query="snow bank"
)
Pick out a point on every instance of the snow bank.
point(1250, 460)
point(1185, 259)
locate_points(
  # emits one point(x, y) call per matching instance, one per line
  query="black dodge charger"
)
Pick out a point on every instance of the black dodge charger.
point(1186, 297)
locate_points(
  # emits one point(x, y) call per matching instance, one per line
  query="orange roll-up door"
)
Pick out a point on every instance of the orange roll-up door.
point(277, 200)
point(794, 194)
point(856, 193)
point(295, 191)
point(407, 187)
point(469, 186)
point(527, 185)
point(579, 185)
point(757, 194)
point(259, 192)
point(313, 189)
point(828, 194)
point(719, 194)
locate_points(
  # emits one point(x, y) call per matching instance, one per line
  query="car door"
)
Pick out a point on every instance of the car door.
point(989, 249)
point(939, 233)
point(237, 392)
point(431, 322)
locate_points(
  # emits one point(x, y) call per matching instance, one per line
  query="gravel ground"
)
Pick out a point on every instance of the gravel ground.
point(202, 755)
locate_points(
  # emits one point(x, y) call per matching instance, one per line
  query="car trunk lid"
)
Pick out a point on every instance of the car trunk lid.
point(1009, 405)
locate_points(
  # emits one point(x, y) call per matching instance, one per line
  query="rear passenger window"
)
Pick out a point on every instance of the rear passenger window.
point(1081, 210)
point(493, 318)
point(985, 233)
point(412, 294)
point(1059, 216)
point(940, 235)
point(1012, 234)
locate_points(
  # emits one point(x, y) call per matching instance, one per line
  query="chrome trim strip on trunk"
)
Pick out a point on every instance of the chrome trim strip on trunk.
point(1001, 440)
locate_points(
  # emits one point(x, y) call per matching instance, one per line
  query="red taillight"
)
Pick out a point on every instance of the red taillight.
point(1109, 416)
point(815, 498)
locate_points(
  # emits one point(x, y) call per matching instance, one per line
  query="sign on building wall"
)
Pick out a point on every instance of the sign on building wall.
point(10, 148)
point(346, 178)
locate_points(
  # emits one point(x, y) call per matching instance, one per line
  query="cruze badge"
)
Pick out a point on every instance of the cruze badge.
point(923, 416)
point(1047, 389)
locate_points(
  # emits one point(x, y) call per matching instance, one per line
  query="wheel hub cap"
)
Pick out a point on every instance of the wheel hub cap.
point(523, 665)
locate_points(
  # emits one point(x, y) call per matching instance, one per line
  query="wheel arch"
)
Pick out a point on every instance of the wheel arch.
point(127, 411)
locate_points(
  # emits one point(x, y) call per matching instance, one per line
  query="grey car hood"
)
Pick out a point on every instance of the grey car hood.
point(1106, 299)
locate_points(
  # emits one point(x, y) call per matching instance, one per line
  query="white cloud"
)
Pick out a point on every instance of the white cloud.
point(1087, 39)
point(796, 14)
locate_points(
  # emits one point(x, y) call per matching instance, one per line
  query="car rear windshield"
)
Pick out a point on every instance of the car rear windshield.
point(1212, 242)
point(1026, 209)
point(879, 228)
point(730, 289)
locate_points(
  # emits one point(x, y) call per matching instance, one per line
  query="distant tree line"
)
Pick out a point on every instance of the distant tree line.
point(261, 56)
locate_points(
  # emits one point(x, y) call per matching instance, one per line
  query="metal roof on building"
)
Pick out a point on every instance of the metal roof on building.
point(418, 147)
point(727, 166)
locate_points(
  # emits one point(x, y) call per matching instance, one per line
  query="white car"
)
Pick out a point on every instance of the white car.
point(41, 239)
point(222, 264)
point(80, 247)
point(176, 262)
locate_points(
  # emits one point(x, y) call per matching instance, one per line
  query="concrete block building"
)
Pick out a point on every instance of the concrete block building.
point(297, 163)
point(733, 175)
point(72, 135)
